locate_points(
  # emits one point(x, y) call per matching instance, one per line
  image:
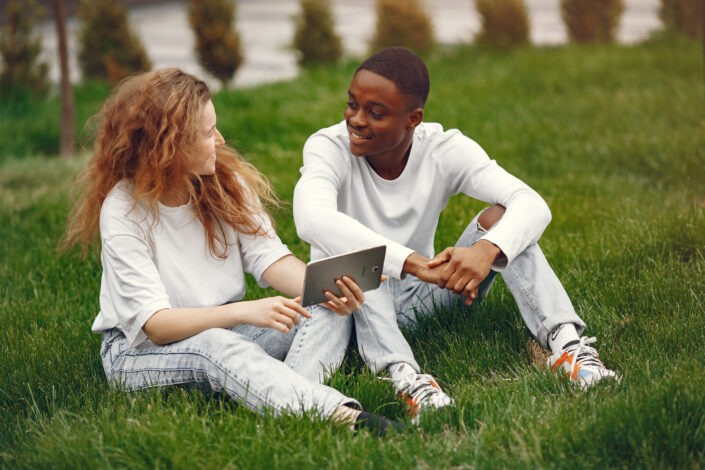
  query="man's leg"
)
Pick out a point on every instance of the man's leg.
point(379, 338)
point(418, 298)
point(540, 296)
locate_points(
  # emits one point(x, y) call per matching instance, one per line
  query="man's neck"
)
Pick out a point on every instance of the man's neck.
point(389, 168)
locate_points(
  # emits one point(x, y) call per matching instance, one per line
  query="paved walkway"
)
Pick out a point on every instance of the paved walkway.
point(266, 29)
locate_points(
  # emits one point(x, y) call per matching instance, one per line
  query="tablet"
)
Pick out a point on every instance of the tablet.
point(363, 266)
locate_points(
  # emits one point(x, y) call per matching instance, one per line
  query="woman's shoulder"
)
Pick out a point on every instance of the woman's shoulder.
point(119, 211)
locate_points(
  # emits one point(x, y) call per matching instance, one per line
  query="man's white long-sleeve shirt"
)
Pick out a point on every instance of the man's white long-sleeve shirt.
point(341, 204)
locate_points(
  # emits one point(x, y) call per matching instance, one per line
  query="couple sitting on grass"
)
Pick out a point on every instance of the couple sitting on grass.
point(182, 216)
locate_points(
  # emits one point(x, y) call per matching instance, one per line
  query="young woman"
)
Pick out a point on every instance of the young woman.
point(181, 219)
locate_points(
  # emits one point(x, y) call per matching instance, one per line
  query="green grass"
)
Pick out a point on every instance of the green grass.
point(613, 137)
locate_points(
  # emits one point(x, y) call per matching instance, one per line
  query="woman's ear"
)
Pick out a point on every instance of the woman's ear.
point(414, 118)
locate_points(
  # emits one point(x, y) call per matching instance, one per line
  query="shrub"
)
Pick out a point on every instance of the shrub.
point(217, 43)
point(403, 23)
point(20, 50)
point(108, 49)
point(685, 16)
point(592, 20)
point(505, 23)
point(315, 37)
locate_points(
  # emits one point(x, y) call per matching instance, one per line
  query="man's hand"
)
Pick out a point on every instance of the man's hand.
point(462, 269)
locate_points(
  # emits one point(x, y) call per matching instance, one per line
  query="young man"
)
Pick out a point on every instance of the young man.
point(383, 176)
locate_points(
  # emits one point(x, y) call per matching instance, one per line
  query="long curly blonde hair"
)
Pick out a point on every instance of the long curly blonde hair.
point(145, 134)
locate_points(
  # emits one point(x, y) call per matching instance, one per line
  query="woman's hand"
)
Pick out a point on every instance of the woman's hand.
point(279, 312)
point(351, 299)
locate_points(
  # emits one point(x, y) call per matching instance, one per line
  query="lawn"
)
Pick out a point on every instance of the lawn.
point(613, 137)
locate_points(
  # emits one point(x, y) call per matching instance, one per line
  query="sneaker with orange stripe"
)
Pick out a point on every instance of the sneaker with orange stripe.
point(420, 391)
point(581, 363)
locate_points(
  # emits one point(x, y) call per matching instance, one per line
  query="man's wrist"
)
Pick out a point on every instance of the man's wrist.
point(490, 248)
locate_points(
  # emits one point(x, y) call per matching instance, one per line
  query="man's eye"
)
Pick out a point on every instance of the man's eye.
point(375, 115)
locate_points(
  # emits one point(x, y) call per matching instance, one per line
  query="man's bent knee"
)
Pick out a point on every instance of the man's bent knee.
point(491, 216)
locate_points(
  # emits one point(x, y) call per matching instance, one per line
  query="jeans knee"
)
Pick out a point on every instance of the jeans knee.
point(490, 216)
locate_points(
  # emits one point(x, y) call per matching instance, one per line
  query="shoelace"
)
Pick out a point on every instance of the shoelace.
point(417, 389)
point(584, 354)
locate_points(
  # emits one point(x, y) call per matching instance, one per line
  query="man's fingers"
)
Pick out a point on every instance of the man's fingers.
point(471, 288)
point(440, 258)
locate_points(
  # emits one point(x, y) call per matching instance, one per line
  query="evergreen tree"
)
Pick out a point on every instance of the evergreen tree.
point(315, 37)
point(108, 49)
point(20, 50)
point(403, 23)
point(217, 43)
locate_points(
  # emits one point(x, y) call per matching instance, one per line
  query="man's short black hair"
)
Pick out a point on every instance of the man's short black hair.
point(406, 69)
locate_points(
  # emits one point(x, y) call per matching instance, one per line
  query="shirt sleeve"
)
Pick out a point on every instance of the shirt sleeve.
point(260, 251)
point(132, 289)
point(527, 215)
point(316, 215)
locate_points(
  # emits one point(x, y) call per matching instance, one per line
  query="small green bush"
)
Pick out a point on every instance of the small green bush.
point(20, 50)
point(108, 49)
point(592, 20)
point(315, 36)
point(505, 23)
point(403, 23)
point(685, 16)
point(217, 43)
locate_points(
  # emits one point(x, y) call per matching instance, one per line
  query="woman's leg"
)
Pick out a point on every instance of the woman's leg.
point(227, 361)
point(319, 344)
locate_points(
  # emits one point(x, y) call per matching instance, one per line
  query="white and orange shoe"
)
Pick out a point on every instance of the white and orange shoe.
point(419, 391)
point(582, 363)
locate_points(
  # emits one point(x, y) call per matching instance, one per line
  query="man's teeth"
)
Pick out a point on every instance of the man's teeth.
point(359, 136)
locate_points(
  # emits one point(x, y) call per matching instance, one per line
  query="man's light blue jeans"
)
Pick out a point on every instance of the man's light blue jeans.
point(244, 362)
point(319, 348)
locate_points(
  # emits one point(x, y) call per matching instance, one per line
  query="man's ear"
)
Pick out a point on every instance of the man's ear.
point(414, 118)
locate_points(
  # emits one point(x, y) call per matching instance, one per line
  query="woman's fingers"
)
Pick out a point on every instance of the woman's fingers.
point(295, 305)
point(350, 290)
point(279, 326)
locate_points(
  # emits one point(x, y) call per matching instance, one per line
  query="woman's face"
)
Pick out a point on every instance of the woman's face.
point(207, 139)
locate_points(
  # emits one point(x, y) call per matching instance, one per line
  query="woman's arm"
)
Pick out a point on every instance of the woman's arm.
point(287, 275)
point(174, 324)
point(281, 313)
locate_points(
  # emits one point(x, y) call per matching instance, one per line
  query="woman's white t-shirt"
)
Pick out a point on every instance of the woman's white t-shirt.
point(149, 268)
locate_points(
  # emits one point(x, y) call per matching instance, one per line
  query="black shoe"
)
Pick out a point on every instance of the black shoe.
point(377, 425)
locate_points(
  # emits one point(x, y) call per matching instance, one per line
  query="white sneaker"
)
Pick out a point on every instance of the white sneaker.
point(582, 363)
point(419, 391)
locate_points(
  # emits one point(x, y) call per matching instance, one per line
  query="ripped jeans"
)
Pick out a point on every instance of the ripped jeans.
point(539, 294)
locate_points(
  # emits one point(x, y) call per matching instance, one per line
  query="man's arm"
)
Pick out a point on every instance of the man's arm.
point(318, 220)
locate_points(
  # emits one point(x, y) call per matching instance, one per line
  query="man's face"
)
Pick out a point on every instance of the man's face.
point(377, 116)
